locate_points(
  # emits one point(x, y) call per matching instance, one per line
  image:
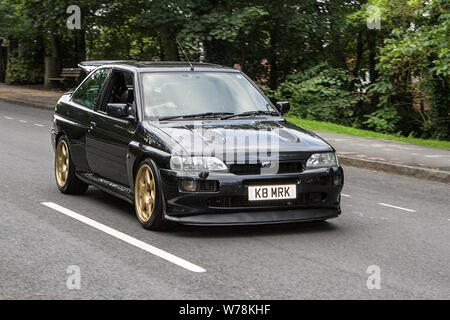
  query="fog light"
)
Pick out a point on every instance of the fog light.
point(189, 185)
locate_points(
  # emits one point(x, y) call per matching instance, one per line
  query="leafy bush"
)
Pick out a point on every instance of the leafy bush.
point(21, 70)
point(319, 93)
point(383, 120)
point(414, 65)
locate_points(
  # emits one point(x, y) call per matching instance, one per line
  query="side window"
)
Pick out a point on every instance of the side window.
point(88, 93)
point(121, 90)
point(129, 80)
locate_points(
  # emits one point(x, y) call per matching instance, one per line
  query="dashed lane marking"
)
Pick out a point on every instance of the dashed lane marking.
point(395, 207)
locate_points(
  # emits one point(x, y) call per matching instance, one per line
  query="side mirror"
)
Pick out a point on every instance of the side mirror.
point(117, 110)
point(283, 107)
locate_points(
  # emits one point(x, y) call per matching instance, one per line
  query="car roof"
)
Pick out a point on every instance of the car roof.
point(149, 66)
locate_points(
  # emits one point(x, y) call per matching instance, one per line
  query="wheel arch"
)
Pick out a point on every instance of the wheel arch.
point(58, 136)
point(137, 153)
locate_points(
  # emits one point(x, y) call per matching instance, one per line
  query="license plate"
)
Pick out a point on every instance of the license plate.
point(278, 192)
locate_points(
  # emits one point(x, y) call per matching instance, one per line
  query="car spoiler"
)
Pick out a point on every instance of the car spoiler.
point(88, 66)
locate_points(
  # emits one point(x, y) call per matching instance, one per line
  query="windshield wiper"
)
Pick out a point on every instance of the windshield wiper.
point(198, 115)
point(252, 113)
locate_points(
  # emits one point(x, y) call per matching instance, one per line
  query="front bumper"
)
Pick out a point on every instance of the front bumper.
point(318, 198)
point(258, 217)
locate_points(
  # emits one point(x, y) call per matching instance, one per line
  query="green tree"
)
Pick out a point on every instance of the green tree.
point(413, 67)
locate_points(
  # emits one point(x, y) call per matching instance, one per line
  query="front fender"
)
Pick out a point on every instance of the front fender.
point(137, 152)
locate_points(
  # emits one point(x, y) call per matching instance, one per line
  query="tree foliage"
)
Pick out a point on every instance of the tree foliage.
point(319, 54)
point(414, 69)
point(320, 93)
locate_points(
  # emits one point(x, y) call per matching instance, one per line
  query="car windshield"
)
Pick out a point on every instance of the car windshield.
point(174, 94)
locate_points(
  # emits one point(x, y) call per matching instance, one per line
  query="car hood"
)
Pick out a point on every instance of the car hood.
point(243, 136)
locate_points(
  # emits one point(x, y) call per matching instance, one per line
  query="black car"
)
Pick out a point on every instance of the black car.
point(197, 144)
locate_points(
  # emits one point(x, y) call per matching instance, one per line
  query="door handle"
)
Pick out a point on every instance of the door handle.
point(91, 126)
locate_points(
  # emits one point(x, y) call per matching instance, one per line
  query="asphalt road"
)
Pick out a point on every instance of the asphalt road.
point(408, 242)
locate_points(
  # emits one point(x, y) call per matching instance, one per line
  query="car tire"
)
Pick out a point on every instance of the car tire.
point(148, 199)
point(66, 180)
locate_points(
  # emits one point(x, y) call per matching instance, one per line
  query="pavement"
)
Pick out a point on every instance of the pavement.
point(375, 154)
point(406, 159)
point(33, 96)
point(395, 224)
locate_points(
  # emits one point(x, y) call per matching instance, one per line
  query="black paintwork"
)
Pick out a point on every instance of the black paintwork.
point(107, 150)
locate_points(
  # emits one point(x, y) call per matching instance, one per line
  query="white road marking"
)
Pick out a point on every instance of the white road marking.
point(391, 206)
point(9, 118)
point(126, 238)
point(38, 125)
point(433, 156)
point(23, 121)
point(345, 195)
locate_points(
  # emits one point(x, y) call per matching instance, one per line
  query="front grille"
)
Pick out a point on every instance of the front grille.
point(244, 169)
point(290, 167)
point(255, 168)
point(303, 199)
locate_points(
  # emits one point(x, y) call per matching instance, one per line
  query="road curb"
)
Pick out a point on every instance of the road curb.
point(404, 170)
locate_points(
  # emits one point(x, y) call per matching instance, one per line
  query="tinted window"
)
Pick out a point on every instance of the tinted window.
point(89, 91)
point(121, 90)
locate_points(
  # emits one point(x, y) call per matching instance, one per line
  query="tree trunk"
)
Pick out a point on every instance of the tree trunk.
point(3, 61)
point(338, 51)
point(359, 54)
point(273, 59)
point(80, 46)
point(440, 107)
point(169, 47)
point(372, 46)
point(336, 45)
point(358, 58)
point(373, 73)
point(52, 62)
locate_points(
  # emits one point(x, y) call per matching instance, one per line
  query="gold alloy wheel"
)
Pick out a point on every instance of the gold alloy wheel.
point(62, 163)
point(145, 193)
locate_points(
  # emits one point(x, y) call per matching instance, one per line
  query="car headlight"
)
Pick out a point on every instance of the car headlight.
point(197, 164)
point(322, 160)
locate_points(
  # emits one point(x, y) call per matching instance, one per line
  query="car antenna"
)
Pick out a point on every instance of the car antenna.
point(185, 55)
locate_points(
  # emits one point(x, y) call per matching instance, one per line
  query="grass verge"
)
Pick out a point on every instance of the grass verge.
point(337, 128)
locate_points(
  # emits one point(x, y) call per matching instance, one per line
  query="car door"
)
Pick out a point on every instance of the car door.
point(78, 114)
point(107, 140)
